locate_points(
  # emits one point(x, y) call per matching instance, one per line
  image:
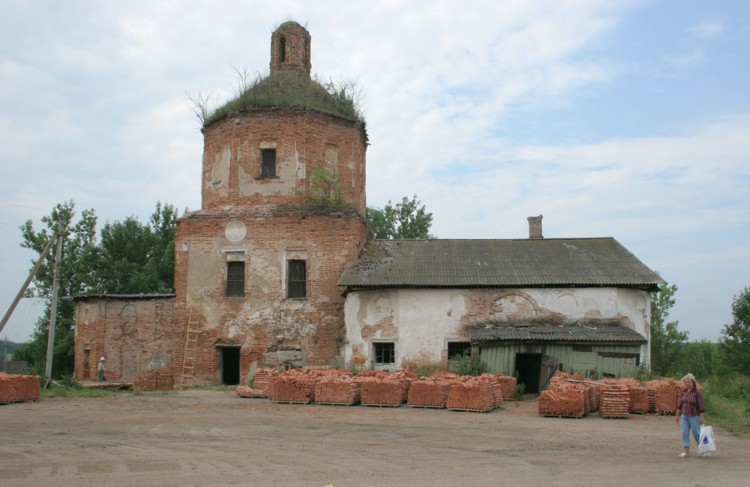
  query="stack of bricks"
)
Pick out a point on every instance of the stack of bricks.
point(594, 394)
point(495, 386)
point(615, 402)
point(638, 399)
point(472, 394)
point(430, 392)
point(337, 390)
point(296, 386)
point(262, 378)
point(508, 386)
point(665, 393)
point(18, 388)
point(261, 381)
point(563, 399)
point(382, 392)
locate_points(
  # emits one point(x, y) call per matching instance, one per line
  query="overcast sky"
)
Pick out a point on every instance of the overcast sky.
point(628, 119)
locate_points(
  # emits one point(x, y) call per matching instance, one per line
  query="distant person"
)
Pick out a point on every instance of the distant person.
point(100, 370)
point(690, 414)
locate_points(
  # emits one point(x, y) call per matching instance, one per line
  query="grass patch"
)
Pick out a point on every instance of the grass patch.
point(727, 401)
point(66, 391)
point(287, 90)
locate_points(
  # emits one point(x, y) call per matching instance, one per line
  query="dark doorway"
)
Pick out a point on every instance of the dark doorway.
point(528, 367)
point(534, 370)
point(230, 365)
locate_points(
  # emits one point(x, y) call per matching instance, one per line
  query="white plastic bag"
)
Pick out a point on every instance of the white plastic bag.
point(707, 443)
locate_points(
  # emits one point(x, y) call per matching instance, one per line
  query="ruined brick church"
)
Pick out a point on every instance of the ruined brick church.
point(266, 276)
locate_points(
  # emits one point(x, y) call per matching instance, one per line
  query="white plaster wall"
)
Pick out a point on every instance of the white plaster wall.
point(421, 321)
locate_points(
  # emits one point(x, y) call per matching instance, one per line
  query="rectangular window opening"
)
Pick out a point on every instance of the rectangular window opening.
point(235, 279)
point(456, 349)
point(268, 165)
point(385, 353)
point(296, 279)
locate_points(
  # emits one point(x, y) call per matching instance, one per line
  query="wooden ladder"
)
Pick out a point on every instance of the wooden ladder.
point(191, 342)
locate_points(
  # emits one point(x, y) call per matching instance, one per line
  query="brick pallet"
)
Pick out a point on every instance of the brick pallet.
point(664, 393)
point(290, 390)
point(18, 388)
point(382, 392)
point(563, 400)
point(473, 394)
point(508, 386)
point(615, 403)
point(639, 402)
point(429, 392)
point(338, 391)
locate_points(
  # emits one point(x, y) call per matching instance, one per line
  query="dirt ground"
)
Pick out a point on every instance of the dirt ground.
point(216, 438)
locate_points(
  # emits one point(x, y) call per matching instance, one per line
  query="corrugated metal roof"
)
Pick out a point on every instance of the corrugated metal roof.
point(574, 262)
point(578, 332)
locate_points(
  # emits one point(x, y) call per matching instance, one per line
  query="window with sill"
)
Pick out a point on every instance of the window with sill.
point(268, 163)
point(235, 279)
point(385, 353)
point(296, 279)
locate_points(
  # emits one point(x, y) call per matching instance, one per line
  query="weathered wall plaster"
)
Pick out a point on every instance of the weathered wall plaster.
point(421, 322)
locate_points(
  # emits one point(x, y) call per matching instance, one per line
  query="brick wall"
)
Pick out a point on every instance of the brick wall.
point(303, 140)
point(136, 335)
point(270, 329)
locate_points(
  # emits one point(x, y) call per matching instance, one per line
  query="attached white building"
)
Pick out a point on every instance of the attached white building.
point(527, 306)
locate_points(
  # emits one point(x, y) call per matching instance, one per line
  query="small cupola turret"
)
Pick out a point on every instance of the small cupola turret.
point(290, 49)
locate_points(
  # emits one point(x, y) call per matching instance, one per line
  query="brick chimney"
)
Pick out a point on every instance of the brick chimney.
point(535, 226)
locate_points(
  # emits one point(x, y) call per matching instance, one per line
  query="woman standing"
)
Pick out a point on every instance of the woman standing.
point(690, 414)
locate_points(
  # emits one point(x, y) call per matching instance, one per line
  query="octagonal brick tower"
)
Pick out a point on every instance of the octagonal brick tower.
point(256, 268)
point(287, 126)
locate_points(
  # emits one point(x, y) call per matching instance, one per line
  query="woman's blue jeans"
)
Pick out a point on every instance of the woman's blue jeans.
point(688, 424)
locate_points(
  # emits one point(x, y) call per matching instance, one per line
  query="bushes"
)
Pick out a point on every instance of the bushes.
point(466, 364)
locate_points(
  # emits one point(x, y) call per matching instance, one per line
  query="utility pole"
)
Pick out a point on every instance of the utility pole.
point(18, 297)
point(53, 306)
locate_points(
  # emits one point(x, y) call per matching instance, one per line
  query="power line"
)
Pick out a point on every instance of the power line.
point(22, 206)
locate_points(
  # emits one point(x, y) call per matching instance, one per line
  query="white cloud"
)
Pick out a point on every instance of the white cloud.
point(709, 29)
point(693, 59)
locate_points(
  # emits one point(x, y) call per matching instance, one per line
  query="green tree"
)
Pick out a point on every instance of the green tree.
point(698, 358)
point(130, 258)
point(667, 341)
point(734, 344)
point(406, 219)
point(137, 258)
point(76, 274)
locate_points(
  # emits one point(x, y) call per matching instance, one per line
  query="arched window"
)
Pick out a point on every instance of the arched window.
point(282, 49)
